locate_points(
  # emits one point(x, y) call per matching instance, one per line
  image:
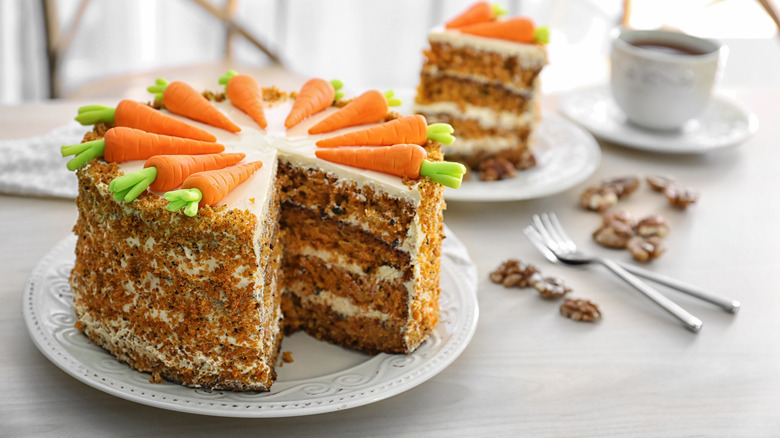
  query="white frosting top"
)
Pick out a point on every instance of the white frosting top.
point(277, 142)
point(530, 53)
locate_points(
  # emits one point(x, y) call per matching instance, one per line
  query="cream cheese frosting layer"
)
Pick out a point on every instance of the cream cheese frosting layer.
point(486, 117)
point(294, 145)
point(529, 54)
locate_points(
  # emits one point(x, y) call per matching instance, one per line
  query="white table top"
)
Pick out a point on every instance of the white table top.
point(528, 371)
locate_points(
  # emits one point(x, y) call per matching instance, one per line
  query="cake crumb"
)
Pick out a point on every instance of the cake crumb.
point(156, 378)
point(286, 358)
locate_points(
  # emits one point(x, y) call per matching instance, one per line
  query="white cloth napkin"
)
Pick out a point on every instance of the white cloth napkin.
point(34, 166)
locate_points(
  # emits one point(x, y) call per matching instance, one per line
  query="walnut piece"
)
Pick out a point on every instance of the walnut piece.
point(613, 235)
point(496, 169)
point(646, 249)
point(623, 186)
point(598, 198)
point(513, 273)
point(580, 310)
point(549, 287)
point(652, 225)
point(622, 216)
point(680, 197)
point(659, 182)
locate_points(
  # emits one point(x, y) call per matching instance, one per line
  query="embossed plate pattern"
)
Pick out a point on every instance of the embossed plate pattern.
point(566, 155)
point(322, 378)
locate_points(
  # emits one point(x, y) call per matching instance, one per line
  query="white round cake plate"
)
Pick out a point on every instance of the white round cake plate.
point(724, 123)
point(566, 155)
point(322, 378)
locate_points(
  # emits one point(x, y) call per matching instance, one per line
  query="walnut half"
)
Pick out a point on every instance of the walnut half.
point(580, 310)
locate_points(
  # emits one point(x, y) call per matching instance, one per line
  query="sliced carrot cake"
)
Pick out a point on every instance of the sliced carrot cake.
point(210, 226)
point(481, 76)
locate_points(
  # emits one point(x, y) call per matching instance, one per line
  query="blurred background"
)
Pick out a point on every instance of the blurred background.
point(82, 48)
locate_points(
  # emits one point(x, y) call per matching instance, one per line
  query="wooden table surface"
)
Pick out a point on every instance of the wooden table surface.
point(528, 371)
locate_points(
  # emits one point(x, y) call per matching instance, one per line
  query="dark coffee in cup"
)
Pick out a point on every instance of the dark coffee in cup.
point(669, 48)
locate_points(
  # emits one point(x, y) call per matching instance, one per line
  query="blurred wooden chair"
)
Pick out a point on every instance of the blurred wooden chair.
point(58, 41)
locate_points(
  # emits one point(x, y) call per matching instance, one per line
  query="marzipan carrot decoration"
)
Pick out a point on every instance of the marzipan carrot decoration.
point(209, 187)
point(315, 95)
point(369, 107)
point(408, 129)
point(179, 98)
point(132, 114)
point(518, 29)
point(404, 160)
point(476, 13)
point(166, 172)
point(244, 93)
point(121, 144)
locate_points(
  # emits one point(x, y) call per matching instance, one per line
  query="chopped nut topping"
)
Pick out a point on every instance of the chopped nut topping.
point(652, 225)
point(645, 249)
point(681, 197)
point(599, 198)
point(580, 310)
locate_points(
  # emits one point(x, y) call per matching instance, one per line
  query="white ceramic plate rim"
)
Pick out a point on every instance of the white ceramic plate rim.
point(614, 127)
point(566, 155)
point(48, 314)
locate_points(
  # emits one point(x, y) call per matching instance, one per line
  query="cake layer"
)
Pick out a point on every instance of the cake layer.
point(368, 272)
point(320, 320)
point(437, 88)
point(487, 59)
point(366, 206)
point(190, 303)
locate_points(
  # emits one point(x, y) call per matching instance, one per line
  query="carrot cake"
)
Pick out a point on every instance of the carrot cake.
point(481, 75)
point(193, 272)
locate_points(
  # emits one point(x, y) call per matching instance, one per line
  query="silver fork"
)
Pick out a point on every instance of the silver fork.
point(727, 304)
point(565, 250)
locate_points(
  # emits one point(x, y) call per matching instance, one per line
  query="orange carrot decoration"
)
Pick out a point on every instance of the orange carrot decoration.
point(404, 160)
point(121, 144)
point(518, 29)
point(209, 187)
point(369, 107)
point(132, 114)
point(315, 95)
point(244, 93)
point(476, 13)
point(179, 98)
point(409, 129)
point(166, 172)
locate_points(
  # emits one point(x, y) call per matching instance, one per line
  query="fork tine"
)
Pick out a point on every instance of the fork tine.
point(553, 232)
point(537, 240)
point(562, 234)
point(548, 240)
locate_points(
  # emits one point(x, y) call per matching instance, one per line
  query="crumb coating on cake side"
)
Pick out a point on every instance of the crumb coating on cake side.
point(188, 299)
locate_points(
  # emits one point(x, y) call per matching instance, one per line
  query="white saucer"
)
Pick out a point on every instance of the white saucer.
point(723, 124)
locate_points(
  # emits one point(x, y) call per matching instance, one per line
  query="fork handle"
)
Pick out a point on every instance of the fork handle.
point(726, 303)
point(691, 322)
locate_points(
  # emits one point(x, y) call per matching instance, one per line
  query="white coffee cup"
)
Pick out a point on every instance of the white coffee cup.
point(661, 79)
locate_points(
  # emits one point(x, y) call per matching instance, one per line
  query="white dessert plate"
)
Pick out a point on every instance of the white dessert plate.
point(322, 377)
point(723, 124)
point(566, 155)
